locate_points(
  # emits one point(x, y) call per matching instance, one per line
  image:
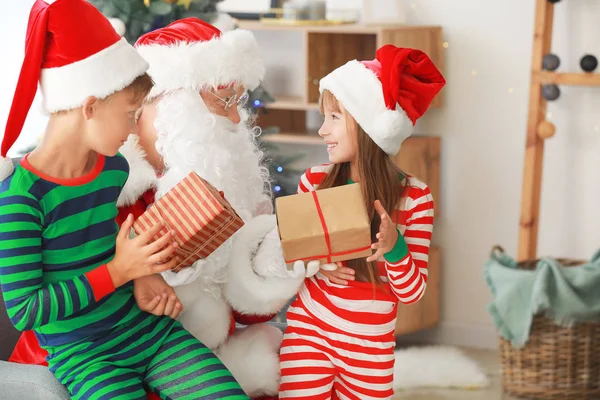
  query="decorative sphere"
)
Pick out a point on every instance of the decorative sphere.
point(546, 129)
point(550, 92)
point(118, 25)
point(550, 62)
point(588, 63)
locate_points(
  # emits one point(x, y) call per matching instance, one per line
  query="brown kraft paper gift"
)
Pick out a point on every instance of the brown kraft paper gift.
point(200, 215)
point(328, 225)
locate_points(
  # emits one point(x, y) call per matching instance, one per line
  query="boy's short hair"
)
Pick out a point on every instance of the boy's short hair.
point(140, 87)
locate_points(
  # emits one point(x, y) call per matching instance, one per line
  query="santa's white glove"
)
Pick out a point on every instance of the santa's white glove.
point(310, 268)
point(268, 260)
point(186, 275)
point(329, 267)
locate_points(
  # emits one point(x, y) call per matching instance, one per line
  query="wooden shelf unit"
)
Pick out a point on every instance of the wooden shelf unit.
point(328, 47)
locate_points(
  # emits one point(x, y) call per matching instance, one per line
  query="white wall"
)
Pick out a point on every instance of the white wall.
point(483, 130)
point(482, 127)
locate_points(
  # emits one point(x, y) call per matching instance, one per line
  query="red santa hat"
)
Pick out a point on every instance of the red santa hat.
point(74, 52)
point(387, 95)
point(191, 54)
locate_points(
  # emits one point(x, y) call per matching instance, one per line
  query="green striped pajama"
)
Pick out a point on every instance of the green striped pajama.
point(56, 237)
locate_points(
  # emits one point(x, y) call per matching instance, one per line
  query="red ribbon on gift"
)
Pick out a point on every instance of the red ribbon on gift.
point(329, 254)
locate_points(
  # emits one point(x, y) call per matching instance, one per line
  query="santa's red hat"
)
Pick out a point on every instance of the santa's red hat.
point(192, 54)
point(387, 95)
point(74, 52)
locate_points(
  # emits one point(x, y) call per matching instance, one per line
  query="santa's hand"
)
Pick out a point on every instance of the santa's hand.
point(186, 275)
point(268, 260)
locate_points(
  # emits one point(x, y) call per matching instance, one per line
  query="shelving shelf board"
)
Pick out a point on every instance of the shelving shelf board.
point(566, 78)
point(291, 138)
point(283, 102)
point(334, 28)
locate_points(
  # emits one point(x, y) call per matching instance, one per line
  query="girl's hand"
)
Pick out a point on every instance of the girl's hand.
point(387, 236)
point(340, 275)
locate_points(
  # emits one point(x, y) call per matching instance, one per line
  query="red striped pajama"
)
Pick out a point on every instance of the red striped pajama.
point(340, 339)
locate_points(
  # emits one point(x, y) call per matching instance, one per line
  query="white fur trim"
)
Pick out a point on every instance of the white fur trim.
point(246, 291)
point(187, 275)
point(252, 356)
point(234, 57)
point(141, 174)
point(204, 316)
point(99, 75)
point(360, 92)
point(6, 167)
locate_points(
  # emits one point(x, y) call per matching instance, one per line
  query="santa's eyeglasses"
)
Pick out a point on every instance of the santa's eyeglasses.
point(230, 101)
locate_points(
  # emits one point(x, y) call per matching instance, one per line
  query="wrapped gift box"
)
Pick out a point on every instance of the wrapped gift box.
point(328, 225)
point(200, 215)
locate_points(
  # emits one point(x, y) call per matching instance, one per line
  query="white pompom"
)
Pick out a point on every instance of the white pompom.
point(118, 25)
point(224, 22)
point(6, 168)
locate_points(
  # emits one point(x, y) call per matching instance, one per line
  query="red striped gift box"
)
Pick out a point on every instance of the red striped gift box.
point(200, 215)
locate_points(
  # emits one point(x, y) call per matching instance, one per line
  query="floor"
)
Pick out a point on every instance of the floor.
point(489, 361)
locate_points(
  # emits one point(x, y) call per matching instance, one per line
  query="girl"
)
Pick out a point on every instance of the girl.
point(340, 338)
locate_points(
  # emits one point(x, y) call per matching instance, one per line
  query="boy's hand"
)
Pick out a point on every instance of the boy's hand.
point(339, 275)
point(155, 296)
point(135, 258)
point(387, 236)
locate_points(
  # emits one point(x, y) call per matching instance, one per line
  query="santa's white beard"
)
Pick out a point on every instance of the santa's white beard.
point(191, 138)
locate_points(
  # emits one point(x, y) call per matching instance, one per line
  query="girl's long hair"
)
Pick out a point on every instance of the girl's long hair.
point(379, 179)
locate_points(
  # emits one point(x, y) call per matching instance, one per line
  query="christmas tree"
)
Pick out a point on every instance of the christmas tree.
point(141, 16)
point(284, 175)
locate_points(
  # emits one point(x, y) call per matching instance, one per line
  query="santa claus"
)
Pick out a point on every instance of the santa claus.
point(194, 120)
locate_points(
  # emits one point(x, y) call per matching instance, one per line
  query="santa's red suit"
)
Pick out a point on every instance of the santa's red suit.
point(246, 280)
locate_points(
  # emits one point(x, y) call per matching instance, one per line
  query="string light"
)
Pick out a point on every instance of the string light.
point(548, 115)
point(280, 169)
point(597, 128)
point(474, 72)
point(511, 90)
point(277, 188)
point(445, 45)
point(413, 5)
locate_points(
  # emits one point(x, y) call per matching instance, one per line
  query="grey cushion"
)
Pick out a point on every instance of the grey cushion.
point(23, 382)
point(29, 382)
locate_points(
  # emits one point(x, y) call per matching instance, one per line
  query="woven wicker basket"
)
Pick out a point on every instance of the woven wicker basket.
point(557, 362)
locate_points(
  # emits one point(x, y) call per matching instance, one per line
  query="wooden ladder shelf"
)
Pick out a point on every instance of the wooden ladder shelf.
point(537, 127)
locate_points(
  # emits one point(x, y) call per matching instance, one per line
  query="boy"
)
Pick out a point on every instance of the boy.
point(61, 273)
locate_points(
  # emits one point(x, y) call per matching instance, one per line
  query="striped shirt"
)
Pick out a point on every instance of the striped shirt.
point(353, 308)
point(56, 236)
